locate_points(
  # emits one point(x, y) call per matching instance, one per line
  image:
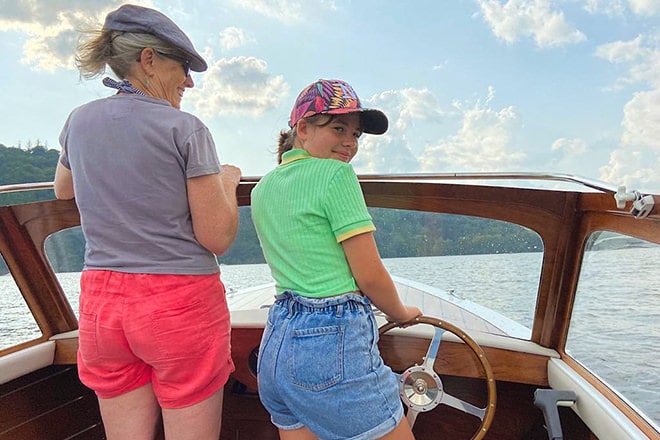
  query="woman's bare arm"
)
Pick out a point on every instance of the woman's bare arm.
point(63, 182)
point(214, 208)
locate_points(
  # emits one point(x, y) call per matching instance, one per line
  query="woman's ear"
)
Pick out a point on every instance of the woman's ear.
point(146, 60)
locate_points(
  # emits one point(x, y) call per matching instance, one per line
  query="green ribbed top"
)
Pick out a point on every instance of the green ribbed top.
point(302, 211)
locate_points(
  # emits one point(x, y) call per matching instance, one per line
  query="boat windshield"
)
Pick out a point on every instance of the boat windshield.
point(616, 313)
point(452, 266)
point(17, 324)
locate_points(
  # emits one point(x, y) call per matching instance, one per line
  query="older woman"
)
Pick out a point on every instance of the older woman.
point(156, 208)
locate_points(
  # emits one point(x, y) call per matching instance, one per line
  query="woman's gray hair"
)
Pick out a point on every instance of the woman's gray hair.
point(116, 49)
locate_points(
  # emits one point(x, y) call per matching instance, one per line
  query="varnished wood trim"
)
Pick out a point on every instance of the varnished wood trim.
point(243, 342)
point(33, 276)
point(454, 359)
point(66, 351)
point(401, 352)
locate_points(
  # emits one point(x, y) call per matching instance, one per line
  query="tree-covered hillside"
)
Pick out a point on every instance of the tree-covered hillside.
point(36, 164)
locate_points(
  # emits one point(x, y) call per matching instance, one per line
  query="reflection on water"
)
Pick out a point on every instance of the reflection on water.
point(614, 330)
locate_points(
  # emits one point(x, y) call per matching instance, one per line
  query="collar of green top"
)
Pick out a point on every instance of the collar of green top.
point(293, 155)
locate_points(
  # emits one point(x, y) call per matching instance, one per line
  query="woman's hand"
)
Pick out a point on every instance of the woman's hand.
point(231, 176)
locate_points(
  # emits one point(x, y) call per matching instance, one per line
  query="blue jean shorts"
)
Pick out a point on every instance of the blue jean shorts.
point(319, 366)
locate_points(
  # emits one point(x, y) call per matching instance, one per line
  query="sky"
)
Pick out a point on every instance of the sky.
point(542, 86)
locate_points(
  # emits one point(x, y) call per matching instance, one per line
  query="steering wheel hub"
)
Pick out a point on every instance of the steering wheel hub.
point(420, 388)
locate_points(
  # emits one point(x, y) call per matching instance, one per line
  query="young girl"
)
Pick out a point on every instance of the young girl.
point(320, 372)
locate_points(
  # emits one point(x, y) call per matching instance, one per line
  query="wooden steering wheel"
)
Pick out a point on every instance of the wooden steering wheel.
point(420, 386)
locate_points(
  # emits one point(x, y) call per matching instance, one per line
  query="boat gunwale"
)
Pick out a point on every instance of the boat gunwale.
point(580, 181)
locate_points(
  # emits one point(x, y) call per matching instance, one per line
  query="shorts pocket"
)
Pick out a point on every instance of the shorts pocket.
point(87, 337)
point(183, 331)
point(316, 357)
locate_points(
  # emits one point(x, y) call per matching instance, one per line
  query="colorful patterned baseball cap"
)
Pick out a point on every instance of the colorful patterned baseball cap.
point(335, 97)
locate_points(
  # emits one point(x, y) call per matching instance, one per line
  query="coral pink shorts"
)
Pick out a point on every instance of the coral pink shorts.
point(172, 331)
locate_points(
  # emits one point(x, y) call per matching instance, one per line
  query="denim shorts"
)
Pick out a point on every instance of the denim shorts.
point(319, 366)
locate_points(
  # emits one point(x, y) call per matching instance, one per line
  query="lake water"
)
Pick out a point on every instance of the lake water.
point(615, 330)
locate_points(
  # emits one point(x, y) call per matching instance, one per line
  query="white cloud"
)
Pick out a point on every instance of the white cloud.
point(621, 51)
point(233, 37)
point(395, 152)
point(641, 121)
point(483, 143)
point(239, 85)
point(611, 8)
point(516, 19)
point(28, 15)
point(632, 169)
point(571, 156)
point(645, 7)
point(285, 10)
point(641, 56)
point(51, 52)
point(477, 137)
point(52, 27)
point(637, 158)
point(387, 153)
point(404, 106)
point(570, 147)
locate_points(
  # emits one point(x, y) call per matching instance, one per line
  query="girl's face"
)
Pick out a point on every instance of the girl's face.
point(335, 140)
point(170, 80)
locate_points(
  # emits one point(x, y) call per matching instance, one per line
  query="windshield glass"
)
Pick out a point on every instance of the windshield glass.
point(616, 312)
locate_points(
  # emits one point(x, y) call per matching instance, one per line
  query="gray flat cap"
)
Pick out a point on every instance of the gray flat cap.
point(140, 20)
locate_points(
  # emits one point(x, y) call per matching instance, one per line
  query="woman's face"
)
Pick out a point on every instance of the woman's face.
point(335, 140)
point(170, 80)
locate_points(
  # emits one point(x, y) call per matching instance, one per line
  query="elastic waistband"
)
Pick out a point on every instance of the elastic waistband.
point(334, 304)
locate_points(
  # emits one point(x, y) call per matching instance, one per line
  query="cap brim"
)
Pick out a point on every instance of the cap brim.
point(373, 121)
point(197, 63)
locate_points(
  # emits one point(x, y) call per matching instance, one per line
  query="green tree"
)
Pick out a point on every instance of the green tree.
point(36, 164)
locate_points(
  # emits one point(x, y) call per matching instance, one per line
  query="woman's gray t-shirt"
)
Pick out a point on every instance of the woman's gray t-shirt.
point(130, 156)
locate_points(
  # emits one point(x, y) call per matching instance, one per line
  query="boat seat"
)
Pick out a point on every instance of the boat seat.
point(25, 361)
point(605, 420)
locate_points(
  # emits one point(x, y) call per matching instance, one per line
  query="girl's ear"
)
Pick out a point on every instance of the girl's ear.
point(302, 129)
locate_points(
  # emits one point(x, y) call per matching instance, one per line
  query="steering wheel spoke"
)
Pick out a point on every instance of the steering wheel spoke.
point(434, 346)
point(411, 416)
point(421, 388)
point(462, 405)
